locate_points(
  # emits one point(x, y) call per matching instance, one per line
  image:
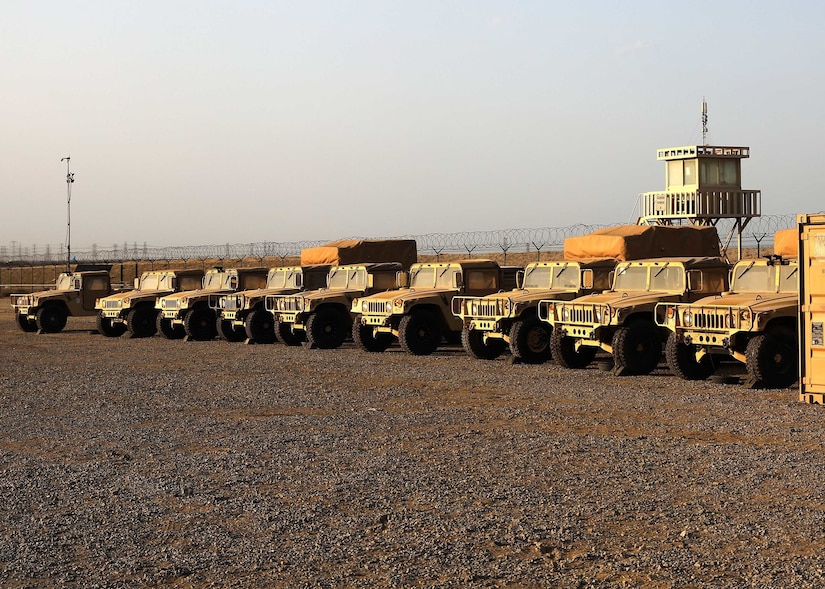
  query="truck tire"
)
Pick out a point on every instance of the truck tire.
point(105, 326)
point(260, 326)
point(199, 324)
point(472, 340)
point(681, 360)
point(26, 324)
point(636, 348)
point(285, 335)
point(368, 341)
point(772, 361)
point(564, 352)
point(51, 318)
point(167, 330)
point(419, 333)
point(141, 321)
point(226, 330)
point(327, 328)
point(530, 340)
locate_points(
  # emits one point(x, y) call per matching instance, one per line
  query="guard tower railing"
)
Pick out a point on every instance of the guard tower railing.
point(702, 207)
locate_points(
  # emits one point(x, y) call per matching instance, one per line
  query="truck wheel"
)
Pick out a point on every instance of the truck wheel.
point(564, 352)
point(530, 340)
point(636, 348)
point(772, 361)
point(419, 333)
point(26, 324)
point(682, 360)
point(260, 327)
point(51, 319)
point(167, 330)
point(199, 324)
point(368, 341)
point(226, 330)
point(285, 335)
point(326, 329)
point(107, 327)
point(141, 321)
point(472, 340)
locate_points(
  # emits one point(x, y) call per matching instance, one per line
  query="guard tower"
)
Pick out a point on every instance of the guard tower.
point(703, 186)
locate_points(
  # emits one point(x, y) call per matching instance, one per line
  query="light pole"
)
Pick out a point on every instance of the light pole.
point(69, 182)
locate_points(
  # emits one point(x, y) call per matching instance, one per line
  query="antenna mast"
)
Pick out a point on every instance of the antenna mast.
point(704, 122)
point(69, 182)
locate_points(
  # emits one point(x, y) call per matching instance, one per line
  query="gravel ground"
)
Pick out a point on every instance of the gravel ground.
point(130, 463)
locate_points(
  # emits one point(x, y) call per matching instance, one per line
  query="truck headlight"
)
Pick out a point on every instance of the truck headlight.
point(474, 309)
point(687, 318)
point(125, 302)
point(565, 314)
point(598, 314)
point(388, 307)
point(364, 306)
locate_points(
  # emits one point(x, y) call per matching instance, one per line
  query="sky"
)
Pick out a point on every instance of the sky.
point(215, 122)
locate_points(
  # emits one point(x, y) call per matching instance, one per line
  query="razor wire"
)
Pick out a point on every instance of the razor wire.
point(757, 233)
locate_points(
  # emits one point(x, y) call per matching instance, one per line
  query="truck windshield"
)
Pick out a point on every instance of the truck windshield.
point(750, 277)
point(166, 282)
point(671, 278)
point(631, 278)
point(64, 282)
point(539, 276)
point(444, 277)
point(149, 282)
point(282, 278)
point(422, 277)
point(789, 278)
point(214, 280)
point(567, 277)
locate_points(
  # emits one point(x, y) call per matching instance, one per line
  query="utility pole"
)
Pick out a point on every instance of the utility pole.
point(69, 182)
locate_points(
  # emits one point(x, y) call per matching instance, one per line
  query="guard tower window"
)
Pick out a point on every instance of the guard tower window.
point(719, 172)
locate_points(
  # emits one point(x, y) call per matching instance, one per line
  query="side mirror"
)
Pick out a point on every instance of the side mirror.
point(458, 280)
point(520, 279)
point(695, 280)
point(370, 280)
point(587, 279)
point(402, 279)
point(611, 277)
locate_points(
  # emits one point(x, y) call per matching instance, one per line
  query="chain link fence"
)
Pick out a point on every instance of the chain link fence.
point(757, 234)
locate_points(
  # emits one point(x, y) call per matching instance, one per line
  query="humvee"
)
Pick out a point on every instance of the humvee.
point(187, 314)
point(242, 315)
point(494, 321)
point(135, 309)
point(74, 295)
point(419, 315)
point(755, 323)
point(322, 316)
point(621, 321)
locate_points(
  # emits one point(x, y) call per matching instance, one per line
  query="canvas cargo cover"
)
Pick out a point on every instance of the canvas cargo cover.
point(638, 242)
point(356, 251)
point(786, 243)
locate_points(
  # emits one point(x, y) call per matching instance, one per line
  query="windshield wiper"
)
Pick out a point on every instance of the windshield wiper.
point(443, 272)
point(792, 273)
point(563, 268)
point(662, 269)
point(749, 266)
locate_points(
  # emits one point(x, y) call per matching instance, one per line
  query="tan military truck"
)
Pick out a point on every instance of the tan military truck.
point(322, 317)
point(135, 309)
point(621, 320)
point(243, 315)
point(358, 267)
point(74, 295)
point(754, 322)
point(510, 318)
point(419, 315)
point(187, 314)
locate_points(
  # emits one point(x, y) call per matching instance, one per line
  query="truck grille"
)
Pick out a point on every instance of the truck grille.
point(111, 304)
point(581, 315)
point(709, 321)
point(170, 303)
point(484, 308)
point(230, 303)
point(376, 307)
point(289, 304)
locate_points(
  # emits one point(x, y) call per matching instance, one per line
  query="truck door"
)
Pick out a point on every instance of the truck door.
point(93, 287)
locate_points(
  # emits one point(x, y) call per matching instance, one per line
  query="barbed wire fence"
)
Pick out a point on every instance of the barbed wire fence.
point(757, 234)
